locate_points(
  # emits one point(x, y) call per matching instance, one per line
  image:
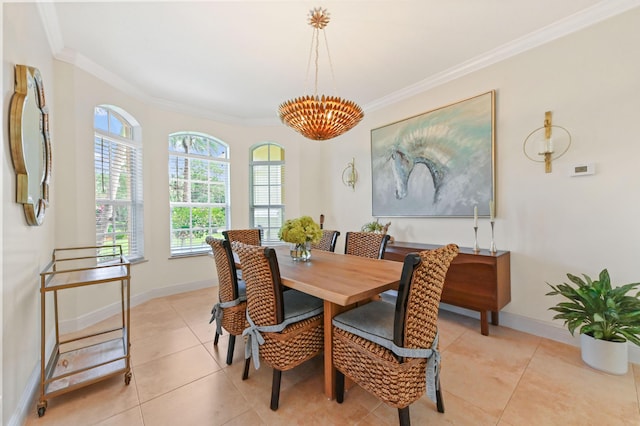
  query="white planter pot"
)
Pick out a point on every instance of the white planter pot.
point(610, 357)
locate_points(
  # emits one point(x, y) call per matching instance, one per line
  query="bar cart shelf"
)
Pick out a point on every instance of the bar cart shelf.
point(78, 360)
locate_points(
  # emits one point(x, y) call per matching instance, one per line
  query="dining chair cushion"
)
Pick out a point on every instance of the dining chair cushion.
point(389, 296)
point(298, 307)
point(374, 321)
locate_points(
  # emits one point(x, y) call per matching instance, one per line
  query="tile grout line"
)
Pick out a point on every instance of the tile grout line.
point(140, 402)
point(524, 371)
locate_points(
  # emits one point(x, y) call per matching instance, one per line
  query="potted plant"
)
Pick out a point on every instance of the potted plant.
point(377, 227)
point(606, 318)
point(300, 232)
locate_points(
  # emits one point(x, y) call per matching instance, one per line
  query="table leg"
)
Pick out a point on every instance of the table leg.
point(495, 318)
point(484, 323)
point(330, 310)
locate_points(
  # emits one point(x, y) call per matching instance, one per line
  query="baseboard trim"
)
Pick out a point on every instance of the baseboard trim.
point(30, 392)
point(19, 416)
point(87, 320)
point(538, 328)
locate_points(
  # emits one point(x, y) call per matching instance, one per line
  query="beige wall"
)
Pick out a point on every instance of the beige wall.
point(72, 94)
point(552, 223)
point(2, 138)
point(78, 227)
point(25, 249)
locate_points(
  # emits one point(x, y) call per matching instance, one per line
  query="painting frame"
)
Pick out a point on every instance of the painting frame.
point(456, 145)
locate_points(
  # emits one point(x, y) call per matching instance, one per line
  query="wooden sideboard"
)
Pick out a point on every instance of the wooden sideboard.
point(477, 281)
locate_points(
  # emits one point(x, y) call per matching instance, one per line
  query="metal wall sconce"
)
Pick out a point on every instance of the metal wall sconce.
point(350, 174)
point(543, 147)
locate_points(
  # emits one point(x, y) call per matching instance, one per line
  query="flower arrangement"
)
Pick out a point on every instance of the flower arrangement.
point(300, 231)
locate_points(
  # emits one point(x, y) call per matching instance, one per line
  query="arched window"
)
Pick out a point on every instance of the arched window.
point(118, 180)
point(198, 191)
point(267, 189)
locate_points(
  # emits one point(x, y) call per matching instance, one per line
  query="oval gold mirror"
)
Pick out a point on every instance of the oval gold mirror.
point(30, 143)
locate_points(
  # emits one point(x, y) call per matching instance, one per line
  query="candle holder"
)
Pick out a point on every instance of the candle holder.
point(476, 248)
point(493, 244)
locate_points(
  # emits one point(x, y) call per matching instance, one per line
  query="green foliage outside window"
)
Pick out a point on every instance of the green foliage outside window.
point(198, 187)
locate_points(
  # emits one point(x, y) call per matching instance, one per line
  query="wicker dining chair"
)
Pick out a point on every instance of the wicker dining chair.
point(230, 310)
point(392, 351)
point(285, 327)
point(251, 236)
point(328, 241)
point(366, 244)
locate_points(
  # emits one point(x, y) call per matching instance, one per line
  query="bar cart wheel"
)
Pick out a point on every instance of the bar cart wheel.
point(42, 407)
point(127, 378)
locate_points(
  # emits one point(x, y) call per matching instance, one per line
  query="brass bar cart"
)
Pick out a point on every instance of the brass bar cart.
point(80, 360)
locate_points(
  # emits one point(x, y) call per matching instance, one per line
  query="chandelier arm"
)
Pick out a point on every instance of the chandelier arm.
point(317, 34)
point(306, 82)
point(333, 76)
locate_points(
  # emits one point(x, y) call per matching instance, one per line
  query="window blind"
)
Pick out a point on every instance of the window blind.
point(267, 189)
point(118, 186)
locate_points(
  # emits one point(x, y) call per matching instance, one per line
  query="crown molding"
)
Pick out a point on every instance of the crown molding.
point(49, 20)
point(599, 12)
point(580, 20)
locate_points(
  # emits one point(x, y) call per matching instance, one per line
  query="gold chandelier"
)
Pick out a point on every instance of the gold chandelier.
point(319, 117)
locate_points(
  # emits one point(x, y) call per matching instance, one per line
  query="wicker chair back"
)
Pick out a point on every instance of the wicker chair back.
point(328, 241)
point(247, 236)
point(366, 244)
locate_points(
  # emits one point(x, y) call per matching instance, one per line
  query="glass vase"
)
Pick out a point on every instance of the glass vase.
point(300, 252)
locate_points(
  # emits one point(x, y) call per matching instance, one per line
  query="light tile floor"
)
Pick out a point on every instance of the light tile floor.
point(508, 378)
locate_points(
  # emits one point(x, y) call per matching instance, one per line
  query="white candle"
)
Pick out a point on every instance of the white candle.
point(475, 216)
point(542, 146)
point(492, 212)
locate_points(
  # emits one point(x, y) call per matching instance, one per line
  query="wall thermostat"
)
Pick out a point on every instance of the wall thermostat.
point(582, 169)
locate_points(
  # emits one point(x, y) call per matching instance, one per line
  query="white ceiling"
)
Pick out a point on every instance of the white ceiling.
point(237, 60)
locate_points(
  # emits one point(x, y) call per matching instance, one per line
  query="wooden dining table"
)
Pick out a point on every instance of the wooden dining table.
point(341, 281)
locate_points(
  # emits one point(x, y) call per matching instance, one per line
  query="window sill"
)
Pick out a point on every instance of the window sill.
point(186, 255)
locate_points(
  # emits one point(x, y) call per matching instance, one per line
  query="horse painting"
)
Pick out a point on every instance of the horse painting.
point(412, 149)
point(436, 164)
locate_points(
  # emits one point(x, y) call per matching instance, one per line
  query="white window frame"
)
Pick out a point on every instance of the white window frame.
point(132, 143)
point(270, 231)
point(193, 242)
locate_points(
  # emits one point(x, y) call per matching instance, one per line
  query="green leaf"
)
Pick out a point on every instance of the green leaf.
point(597, 308)
point(605, 280)
point(576, 280)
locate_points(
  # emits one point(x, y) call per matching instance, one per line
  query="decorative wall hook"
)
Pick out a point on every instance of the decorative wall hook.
point(350, 174)
point(543, 146)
